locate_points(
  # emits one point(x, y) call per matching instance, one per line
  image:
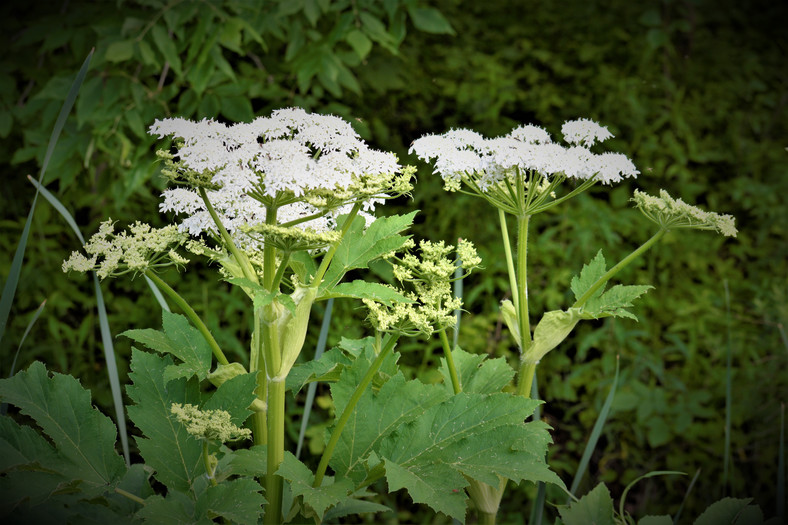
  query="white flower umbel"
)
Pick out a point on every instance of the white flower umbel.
point(305, 168)
point(672, 213)
point(495, 168)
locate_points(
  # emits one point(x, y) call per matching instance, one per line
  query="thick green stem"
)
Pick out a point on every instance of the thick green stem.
point(240, 258)
point(455, 382)
point(526, 375)
point(351, 405)
point(269, 253)
point(507, 248)
point(522, 282)
point(276, 451)
point(191, 314)
point(486, 518)
point(617, 268)
point(257, 364)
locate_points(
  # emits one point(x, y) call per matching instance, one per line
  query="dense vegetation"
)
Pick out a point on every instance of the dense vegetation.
point(694, 92)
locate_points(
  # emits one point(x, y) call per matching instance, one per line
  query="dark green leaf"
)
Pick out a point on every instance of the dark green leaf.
point(476, 373)
point(166, 446)
point(234, 396)
point(180, 339)
point(595, 508)
point(238, 500)
point(81, 434)
point(167, 48)
point(317, 499)
point(359, 289)
point(120, 51)
point(727, 511)
point(430, 20)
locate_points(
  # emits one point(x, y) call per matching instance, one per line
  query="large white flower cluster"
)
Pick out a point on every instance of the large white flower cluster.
point(291, 153)
point(461, 152)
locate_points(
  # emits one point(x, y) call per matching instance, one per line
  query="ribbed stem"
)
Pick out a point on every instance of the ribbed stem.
point(455, 381)
point(275, 449)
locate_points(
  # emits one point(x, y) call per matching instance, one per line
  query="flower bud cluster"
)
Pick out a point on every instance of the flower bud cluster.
point(672, 213)
point(429, 277)
point(210, 425)
point(137, 250)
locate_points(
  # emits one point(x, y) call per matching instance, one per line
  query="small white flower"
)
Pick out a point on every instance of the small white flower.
point(584, 131)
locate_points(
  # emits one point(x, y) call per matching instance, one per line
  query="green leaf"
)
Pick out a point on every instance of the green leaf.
point(430, 20)
point(359, 289)
point(727, 511)
point(238, 500)
point(352, 507)
point(167, 48)
point(180, 339)
point(476, 373)
point(359, 42)
point(166, 446)
point(590, 273)
point(595, 508)
point(82, 435)
point(176, 508)
point(303, 265)
point(21, 446)
point(376, 416)
point(552, 329)
point(249, 462)
point(475, 435)
point(120, 51)
point(234, 396)
point(360, 246)
point(317, 499)
point(614, 301)
point(327, 368)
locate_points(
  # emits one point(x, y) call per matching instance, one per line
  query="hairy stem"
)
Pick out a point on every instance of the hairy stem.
point(191, 314)
point(351, 405)
point(455, 382)
point(507, 248)
point(276, 450)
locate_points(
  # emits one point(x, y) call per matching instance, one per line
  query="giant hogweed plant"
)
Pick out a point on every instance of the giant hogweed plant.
point(282, 206)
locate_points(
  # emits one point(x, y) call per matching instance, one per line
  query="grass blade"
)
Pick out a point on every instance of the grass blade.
point(9, 289)
point(595, 433)
point(157, 294)
point(458, 291)
point(537, 510)
point(728, 396)
point(106, 335)
point(644, 476)
point(781, 469)
point(686, 496)
point(4, 406)
point(310, 393)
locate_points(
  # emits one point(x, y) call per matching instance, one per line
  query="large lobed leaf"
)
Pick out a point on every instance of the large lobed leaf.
point(180, 339)
point(84, 439)
point(474, 435)
point(166, 446)
point(359, 246)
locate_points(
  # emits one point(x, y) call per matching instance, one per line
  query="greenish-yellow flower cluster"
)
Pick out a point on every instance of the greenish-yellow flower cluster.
point(139, 249)
point(291, 239)
point(211, 425)
point(674, 213)
point(430, 277)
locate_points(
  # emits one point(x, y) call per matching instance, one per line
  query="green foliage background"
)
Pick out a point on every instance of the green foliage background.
point(694, 91)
